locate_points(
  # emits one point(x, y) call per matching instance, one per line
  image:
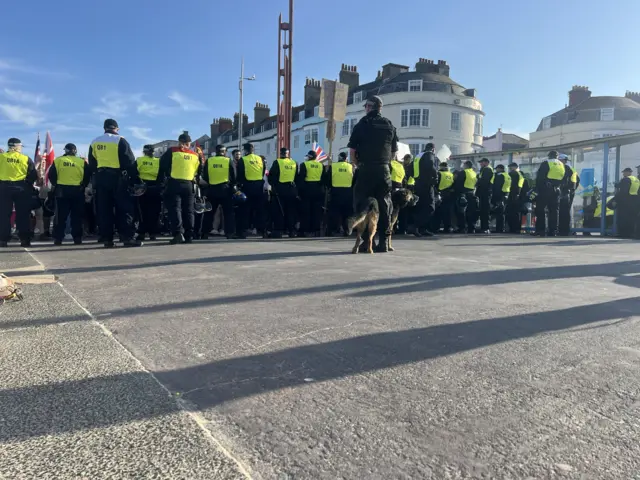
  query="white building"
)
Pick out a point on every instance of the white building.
point(500, 141)
point(425, 105)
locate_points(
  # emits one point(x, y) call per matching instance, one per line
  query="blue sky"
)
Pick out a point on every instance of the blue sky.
point(161, 66)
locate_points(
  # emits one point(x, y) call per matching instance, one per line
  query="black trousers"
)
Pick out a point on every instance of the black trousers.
point(340, 208)
point(426, 206)
point(468, 216)
point(284, 205)
point(69, 205)
point(375, 181)
point(444, 211)
point(179, 199)
point(549, 199)
point(312, 202)
point(564, 214)
point(150, 207)
point(18, 194)
point(219, 196)
point(251, 212)
point(500, 201)
point(514, 215)
point(114, 205)
point(626, 217)
point(485, 209)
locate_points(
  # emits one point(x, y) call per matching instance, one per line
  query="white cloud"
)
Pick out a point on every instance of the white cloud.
point(186, 103)
point(152, 109)
point(20, 114)
point(117, 104)
point(17, 66)
point(61, 127)
point(26, 97)
point(142, 133)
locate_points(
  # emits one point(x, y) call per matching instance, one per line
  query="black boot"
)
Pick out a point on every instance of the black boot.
point(179, 238)
point(131, 242)
point(383, 244)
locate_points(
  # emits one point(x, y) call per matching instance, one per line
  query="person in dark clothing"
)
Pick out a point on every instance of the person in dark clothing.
point(151, 202)
point(282, 175)
point(338, 178)
point(484, 190)
point(310, 186)
point(219, 174)
point(464, 185)
point(181, 167)
point(552, 176)
point(567, 194)
point(407, 214)
point(514, 200)
point(69, 176)
point(250, 178)
point(373, 143)
point(113, 163)
point(499, 195)
point(426, 177)
point(627, 207)
point(444, 211)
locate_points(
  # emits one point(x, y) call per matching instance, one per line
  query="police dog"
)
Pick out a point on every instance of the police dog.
point(366, 219)
point(401, 198)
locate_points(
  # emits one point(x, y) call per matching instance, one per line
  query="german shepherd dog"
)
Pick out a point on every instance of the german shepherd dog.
point(401, 198)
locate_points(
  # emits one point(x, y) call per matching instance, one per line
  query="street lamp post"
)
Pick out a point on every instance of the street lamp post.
point(240, 86)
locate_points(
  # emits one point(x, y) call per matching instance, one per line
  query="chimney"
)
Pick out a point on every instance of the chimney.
point(390, 70)
point(349, 76)
point(499, 139)
point(424, 65)
point(635, 96)
point(245, 120)
point(236, 120)
point(260, 113)
point(215, 130)
point(311, 93)
point(578, 94)
point(225, 124)
point(443, 68)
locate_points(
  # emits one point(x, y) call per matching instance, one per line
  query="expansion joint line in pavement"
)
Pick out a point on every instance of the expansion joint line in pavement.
point(199, 420)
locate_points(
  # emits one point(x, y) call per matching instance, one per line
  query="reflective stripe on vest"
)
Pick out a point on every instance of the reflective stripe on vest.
point(314, 171)
point(70, 170)
point(446, 180)
point(13, 166)
point(506, 186)
point(184, 165)
point(520, 179)
point(288, 169)
point(635, 185)
point(470, 178)
point(397, 171)
point(556, 170)
point(218, 170)
point(598, 211)
point(574, 175)
point(341, 175)
point(148, 168)
point(105, 150)
point(416, 167)
point(253, 167)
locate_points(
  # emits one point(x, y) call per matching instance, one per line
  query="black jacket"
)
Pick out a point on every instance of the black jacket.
point(125, 155)
point(374, 139)
point(428, 173)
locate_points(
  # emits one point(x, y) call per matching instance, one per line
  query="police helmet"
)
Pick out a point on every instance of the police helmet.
point(70, 149)
point(207, 205)
point(137, 189)
point(312, 155)
point(147, 150)
point(199, 206)
point(239, 197)
point(461, 203)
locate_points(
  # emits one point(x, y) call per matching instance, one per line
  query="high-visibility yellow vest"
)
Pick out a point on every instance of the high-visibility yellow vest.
point(13, 166)
point(70, 170)
point(598, 211)
point(411, 181)
point(574, 175)
point(635, 185)
point(470, 178)
point(184, 165)
point(506, 186)
point(341, 175)
point(288, 169)
point(314, 171)
point(520, 179)
point(105, 150)
point(253, 167)
point(446, 180)
point(556, 170)
point(148, 168)
point(397, 171)
point(218, 170)
point(416, 167)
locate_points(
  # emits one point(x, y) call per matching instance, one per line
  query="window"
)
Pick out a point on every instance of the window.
point(477, 130)
point(425, 117)
point(307, 137)
point(606, 114)
point(314, 135)
point(415, 85)
point(251, 130)
point(268, 148)
point(354, 122)
point(414, 117)
point(404, 118)
point(546, 123)
point(357, 97)
point(414, 148)
point(296, 141)
point(345, 127)
point(301, 115)
point(455, 121)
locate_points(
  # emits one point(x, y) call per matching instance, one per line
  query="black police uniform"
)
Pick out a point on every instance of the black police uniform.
point(252, 211)
point(467, 216)
point(219, 194)
point(312, 195)
point(151, 202)
point(375, 141)
point(515, 201)
point(16, 192)
point(499, 200)
point(426, 186)
point(483, 193)
point(567, 194)
point(284, 201)
point(548, 199)
point(444, 211)
point(626, 208)
point(340, 202)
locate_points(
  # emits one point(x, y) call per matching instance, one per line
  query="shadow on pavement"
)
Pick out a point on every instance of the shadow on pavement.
point(558, 243)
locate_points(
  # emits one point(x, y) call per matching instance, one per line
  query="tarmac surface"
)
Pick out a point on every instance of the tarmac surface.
point(455, 357)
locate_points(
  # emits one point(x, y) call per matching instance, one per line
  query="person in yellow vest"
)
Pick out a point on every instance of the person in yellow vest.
point(626, 200)
point(151, 202)
point(17, 175)
point(220, 175)
point(567, 195)
point(309, 182)
point(406, 216)
point(181, 167)
point(499, 195)
point(69, 176)
point(519, 186)
point(551, 178)
point(339, 181)
point(484, 189)
point(114, 165)
point(398, 174)
point(444, 211)
point(250, 177)
point(284, 203)
point(464, 186)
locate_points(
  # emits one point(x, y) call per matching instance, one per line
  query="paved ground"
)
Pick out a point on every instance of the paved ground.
point(484, 357)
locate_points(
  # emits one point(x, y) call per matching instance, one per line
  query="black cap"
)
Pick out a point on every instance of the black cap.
point(468, 163)
point(429, 147)
point(312, 154)
point(513, 164)
point(553, 154)
point(500, 167)
point(184, 138)
point(443, 165)
point(14, 142)
point(376, 100)
point(484, 160)
point(147, 147)
point(248, 147)
point(627, 170)
point(342, 155)
point(70, 147)
point(284, 150)
point(110, 124)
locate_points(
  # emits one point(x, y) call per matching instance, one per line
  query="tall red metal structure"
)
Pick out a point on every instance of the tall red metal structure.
point(285, 54)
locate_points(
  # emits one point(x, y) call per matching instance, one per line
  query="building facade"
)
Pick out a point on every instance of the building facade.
point(500, 141)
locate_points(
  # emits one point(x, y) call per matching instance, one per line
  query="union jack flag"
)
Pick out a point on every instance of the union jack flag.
point(320, 155)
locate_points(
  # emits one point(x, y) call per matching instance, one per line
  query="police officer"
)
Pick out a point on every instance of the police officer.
point(113, 162)
point(627, 207)
point(17, 175)
point(397, 174)
point(514, 203)
point(567, 194)
point(151, 202)
point(309, 182)
point(250, 178)
point(484, 190)
point(181, 167)
point(219, 173)
point(373, 143)
point(426, 176)
point(551, 177)
point(444, 211)
point(464, 185)
point(282, 175)
point(69, 176)
point(339, 179)
point(499, 195)
point(405, 218)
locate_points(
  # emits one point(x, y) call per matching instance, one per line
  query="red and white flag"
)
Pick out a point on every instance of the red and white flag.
point(49, 156)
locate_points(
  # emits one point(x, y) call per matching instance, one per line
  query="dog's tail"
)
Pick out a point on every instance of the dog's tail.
point(363, 209)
